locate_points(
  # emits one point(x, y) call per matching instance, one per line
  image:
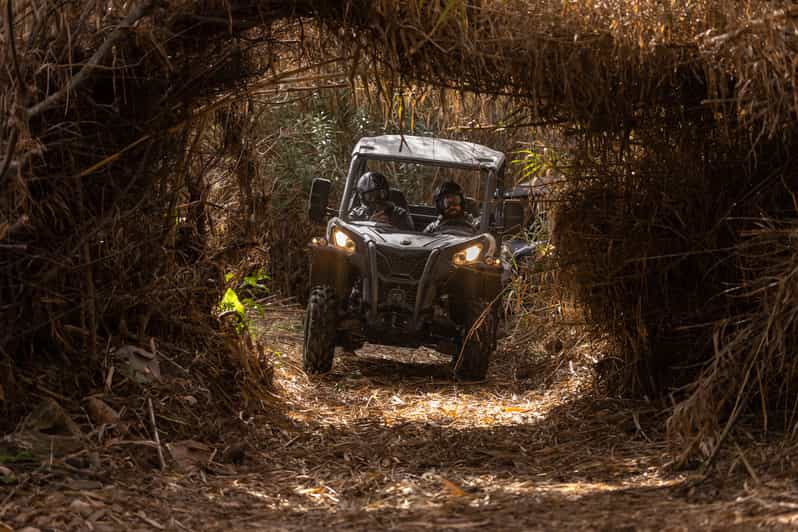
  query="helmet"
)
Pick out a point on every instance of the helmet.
point(449, 200)
point(372, 188)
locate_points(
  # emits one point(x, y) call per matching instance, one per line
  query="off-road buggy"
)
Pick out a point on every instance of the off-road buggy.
point(372, 282)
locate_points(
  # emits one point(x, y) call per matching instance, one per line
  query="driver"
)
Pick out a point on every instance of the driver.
point(372, 190)
point(450, 204)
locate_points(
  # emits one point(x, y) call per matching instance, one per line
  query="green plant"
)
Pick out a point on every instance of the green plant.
point(257, 280)
point(241, 300)
point(531, 164)
point(17, 457)
point(230, 303)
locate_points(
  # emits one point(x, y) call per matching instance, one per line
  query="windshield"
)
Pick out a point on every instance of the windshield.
point(418, 182)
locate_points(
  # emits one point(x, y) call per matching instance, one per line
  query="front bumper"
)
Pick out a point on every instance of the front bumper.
point(400, 287)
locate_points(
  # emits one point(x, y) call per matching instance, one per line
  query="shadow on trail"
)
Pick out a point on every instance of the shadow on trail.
point(388, 441)
point(390, 371)
point(585, 465)
point(579, 441)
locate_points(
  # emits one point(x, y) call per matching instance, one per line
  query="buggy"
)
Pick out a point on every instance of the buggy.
point(372, 282)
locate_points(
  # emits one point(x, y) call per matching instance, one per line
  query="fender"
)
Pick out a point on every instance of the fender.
point(331, 266)
point(480, 282)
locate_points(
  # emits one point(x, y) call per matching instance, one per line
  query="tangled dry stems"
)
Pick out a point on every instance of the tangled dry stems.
point(109, 131)
point(680, 117)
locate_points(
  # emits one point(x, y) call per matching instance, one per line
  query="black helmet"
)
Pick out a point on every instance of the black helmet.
point(449, 199)
point(372, 188)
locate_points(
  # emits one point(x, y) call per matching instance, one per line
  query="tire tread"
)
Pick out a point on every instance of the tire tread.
point(472, 361)
point(319, 349)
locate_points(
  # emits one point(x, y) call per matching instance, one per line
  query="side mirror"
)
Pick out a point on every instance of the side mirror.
point(513, 212)
point(319, 196)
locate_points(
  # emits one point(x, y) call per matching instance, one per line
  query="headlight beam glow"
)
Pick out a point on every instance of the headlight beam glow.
point(342, 241)
point(467, 256)
point(472, 252)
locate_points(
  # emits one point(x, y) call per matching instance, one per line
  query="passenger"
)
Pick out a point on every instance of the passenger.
point(450, 205)
point(372, 190)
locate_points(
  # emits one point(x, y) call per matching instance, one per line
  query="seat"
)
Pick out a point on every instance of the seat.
point(472, 206)
point(397, 197)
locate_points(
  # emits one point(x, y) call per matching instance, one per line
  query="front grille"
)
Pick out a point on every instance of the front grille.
point(406, 264)
point(388, 291)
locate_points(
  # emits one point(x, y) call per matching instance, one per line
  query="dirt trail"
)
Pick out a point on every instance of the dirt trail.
point(387, 441)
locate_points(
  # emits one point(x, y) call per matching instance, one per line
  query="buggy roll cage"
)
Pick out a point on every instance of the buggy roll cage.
point(427, 151)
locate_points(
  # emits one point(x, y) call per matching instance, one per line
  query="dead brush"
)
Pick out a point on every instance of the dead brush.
point(254, 371)
point(683, 115)
point(680, 118)
point(107, 148)
point(752, 369)
point(543, 326)
point(653, 257)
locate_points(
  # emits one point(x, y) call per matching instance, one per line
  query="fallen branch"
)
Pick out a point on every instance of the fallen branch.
point(155, 433)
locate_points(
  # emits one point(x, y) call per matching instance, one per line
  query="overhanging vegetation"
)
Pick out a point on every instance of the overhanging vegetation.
point(676, 231)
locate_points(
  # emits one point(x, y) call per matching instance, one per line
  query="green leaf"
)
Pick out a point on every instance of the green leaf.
point(230, 301)
point(449, 5)
point(20, 456)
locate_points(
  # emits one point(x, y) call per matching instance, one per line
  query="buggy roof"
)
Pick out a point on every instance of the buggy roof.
point(428, 150)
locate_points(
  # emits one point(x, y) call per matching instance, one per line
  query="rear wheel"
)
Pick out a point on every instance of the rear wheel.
point(320, 325)
point(472, 359)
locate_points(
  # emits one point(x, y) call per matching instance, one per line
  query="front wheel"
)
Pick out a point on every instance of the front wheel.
point(320, 325)
point(472, 359)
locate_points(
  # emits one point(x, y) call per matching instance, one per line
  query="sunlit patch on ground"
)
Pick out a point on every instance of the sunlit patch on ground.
point(388, 440)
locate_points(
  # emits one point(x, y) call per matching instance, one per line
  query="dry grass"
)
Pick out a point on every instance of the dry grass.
point(680, 119)
point(388, 440)
point(121, 123)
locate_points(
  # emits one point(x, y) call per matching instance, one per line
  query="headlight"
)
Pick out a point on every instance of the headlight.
point(342, 240)
point(468, 255)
